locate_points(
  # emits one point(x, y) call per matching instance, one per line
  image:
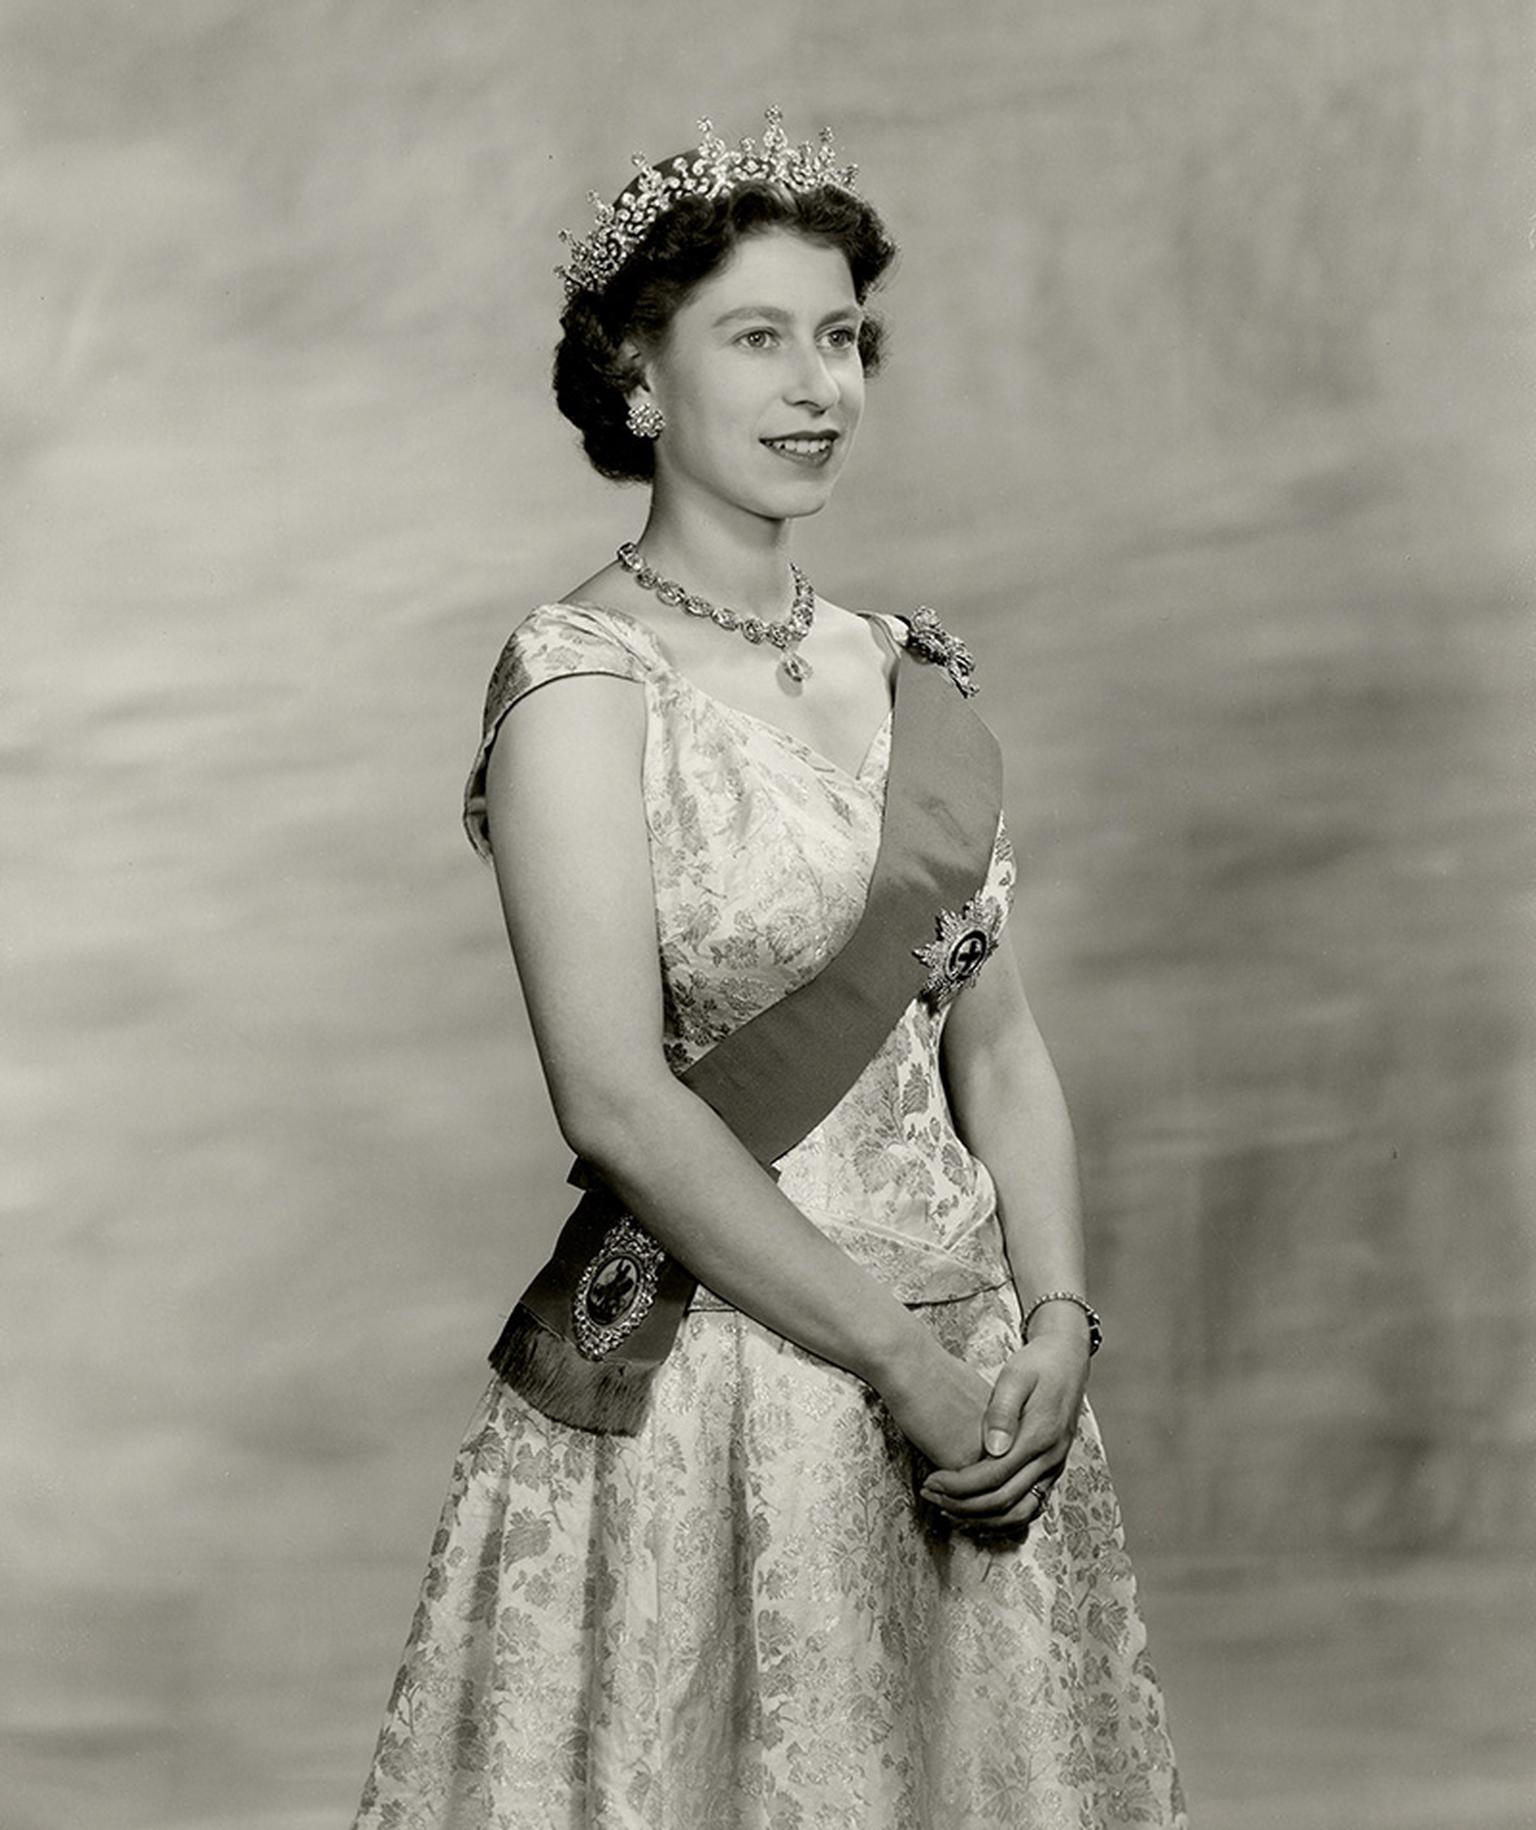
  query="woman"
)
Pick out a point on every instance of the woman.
point(786, 1507)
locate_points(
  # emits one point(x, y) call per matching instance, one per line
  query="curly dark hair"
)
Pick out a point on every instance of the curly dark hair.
point(686, 245)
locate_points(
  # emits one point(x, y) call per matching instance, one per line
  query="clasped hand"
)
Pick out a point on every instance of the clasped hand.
point(990, 1446)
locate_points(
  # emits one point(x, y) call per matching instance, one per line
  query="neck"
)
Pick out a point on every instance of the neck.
point(729, 557)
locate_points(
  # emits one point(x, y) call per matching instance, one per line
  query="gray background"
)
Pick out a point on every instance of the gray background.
point(1207, 421)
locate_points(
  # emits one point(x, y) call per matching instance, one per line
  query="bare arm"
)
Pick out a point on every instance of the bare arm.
point(1009, 1109)
point(567, 821)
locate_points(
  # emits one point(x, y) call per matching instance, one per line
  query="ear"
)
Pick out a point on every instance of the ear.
point(633, 369)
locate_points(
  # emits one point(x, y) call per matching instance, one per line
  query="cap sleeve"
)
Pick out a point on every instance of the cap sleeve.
point(551, 643)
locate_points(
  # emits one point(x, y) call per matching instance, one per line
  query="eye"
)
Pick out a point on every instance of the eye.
point(746, 338)
point(843, 336)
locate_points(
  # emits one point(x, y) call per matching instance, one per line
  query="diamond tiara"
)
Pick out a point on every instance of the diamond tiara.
point(709, 170)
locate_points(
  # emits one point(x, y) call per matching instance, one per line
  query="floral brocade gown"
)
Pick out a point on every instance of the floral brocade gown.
point(743, 1618)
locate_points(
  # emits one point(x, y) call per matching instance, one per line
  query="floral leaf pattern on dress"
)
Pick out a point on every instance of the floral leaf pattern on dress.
point(744, 1618)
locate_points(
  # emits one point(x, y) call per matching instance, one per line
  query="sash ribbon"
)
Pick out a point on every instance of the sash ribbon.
point(589, 1332)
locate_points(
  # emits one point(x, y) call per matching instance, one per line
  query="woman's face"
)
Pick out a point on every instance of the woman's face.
point(760, 379)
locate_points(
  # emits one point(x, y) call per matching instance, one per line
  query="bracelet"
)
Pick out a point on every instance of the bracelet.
point(1095, 1329)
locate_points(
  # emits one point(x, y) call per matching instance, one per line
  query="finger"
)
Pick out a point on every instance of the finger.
point(1022, 1513)
point(1018, 1520)
point(1005, 1407)
point(996, 1501)
point(999, 1503)
point(1047, 1417)
point(1036, 1439)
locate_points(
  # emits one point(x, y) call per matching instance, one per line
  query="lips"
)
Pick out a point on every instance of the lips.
point(803, 447)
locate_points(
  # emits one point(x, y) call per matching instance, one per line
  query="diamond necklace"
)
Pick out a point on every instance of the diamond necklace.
point(785, 635)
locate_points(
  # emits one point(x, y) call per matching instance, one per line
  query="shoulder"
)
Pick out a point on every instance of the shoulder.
point(558, 639)
point(910, 627)
point(889, 622)
point(554, 641)
point(582, 631)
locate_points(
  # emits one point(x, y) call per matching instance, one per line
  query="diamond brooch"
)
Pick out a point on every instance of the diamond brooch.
point(931, 641)
point(964, 943)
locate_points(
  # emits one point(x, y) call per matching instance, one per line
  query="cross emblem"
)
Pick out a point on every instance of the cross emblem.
point(968, 953)
point(964, 943)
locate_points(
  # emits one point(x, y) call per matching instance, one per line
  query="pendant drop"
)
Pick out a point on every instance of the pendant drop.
point(783, 632)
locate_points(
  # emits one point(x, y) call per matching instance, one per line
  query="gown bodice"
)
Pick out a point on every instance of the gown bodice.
point(762, 851)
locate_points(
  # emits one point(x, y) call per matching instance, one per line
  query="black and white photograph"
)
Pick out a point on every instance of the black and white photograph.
point(768, 934)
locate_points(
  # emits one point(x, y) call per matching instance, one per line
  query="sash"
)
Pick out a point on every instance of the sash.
point(586, 1338)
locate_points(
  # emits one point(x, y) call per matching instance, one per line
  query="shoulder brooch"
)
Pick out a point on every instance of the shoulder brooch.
point(929, 640)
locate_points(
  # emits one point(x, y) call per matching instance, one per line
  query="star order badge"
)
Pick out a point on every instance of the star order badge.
point(965, 942)
point(617, 1288)
point(929, 640)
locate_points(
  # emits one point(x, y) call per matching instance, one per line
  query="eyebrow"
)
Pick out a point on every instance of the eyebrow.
point(776, 316)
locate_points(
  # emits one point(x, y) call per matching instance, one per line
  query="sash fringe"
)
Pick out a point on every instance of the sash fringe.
point(611, 1396)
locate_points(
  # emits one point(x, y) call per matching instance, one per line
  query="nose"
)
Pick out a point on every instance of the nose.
point(813, 384)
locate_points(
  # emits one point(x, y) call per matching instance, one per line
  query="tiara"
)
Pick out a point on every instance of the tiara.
point(710, 170)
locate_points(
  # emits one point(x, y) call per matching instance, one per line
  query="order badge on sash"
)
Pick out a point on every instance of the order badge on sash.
point(964, 944)
point(617, 1288)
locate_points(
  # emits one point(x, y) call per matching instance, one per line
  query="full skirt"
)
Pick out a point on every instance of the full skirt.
point(745, 1619)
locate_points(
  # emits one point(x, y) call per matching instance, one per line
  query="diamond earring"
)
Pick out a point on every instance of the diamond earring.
point(644, 418)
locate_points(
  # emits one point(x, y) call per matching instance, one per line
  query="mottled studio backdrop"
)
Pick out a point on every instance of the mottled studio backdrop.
point(1208, 421)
